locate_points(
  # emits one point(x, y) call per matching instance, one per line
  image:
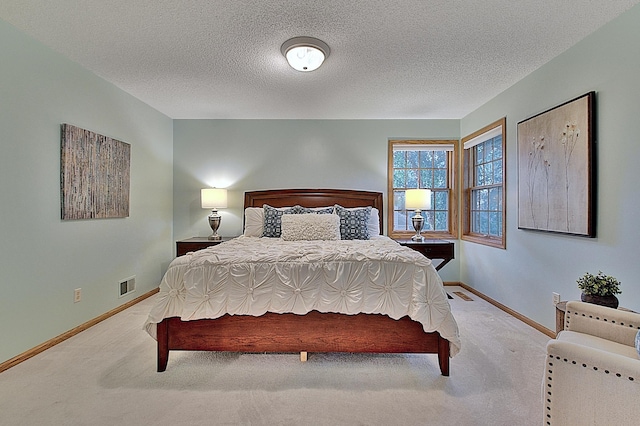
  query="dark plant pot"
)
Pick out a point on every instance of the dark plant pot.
point(608, 301)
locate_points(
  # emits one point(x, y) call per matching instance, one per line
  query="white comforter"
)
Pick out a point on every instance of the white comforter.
point(251, 276)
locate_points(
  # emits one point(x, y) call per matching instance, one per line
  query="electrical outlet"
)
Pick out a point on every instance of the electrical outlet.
point(556, 298)
point(77, 295)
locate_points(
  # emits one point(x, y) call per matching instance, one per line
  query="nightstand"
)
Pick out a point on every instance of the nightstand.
point(197, 243)
point(433, 249)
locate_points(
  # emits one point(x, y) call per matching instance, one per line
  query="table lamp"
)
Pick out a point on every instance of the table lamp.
point(418, 200)
point(214, 198)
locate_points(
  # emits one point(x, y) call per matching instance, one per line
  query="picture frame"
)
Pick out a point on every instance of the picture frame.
point(556, 185)
point(94, 175)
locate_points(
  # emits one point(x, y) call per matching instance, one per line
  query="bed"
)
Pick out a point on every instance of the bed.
point(303, 297)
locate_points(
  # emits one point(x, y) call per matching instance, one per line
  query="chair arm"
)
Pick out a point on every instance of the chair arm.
point(607, 323)
point(583, 385)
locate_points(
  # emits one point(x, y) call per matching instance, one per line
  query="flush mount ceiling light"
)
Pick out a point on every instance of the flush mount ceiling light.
point(305, 53)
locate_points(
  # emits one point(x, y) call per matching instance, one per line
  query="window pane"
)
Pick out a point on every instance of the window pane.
point(494, 199)
point(400, 221)
point(426, 178)
point(479, 175)
point(441, 200)
point(412, 178)
point(494, 224)
point(488, 150)
point(440, 178)
point(398, 159)
point(412, 159)
point(488, 174)
point(399, 178)
point(497, 147)
point(441, 222)
point(398, 200)
point(479, 153)
point(440, 159)
point(426, 159)
point(483, 202)
point(497, 171)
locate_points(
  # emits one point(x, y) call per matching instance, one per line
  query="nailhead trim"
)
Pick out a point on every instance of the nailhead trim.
point(550, 379)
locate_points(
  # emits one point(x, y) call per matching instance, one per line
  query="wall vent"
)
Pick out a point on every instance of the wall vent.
point(126, 286)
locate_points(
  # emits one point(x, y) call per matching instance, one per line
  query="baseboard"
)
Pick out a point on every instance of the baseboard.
point(64, 336)
point(541, 328)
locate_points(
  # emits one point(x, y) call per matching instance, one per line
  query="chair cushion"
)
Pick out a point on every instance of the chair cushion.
point(597, 343)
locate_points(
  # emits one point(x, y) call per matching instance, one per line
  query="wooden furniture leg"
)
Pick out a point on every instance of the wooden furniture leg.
point(162, 332)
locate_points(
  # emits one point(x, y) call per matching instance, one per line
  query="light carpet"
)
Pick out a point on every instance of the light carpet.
point(107, 376)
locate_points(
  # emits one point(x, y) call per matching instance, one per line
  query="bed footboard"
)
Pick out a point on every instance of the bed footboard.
point(313, 332)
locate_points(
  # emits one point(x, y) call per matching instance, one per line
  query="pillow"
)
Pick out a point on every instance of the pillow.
point(374, 222)
point(638, 343)
point(272, 223)
point(319, 210)
point(310, 226)
point(253, 221)
point(353, 222)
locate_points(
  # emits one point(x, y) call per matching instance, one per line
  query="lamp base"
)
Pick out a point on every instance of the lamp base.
point(418, 223)
point(214, 223)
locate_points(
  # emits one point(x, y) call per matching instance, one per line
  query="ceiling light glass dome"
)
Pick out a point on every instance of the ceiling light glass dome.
point(305, 53)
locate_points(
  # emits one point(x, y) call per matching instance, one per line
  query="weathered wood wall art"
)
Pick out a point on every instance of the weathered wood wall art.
point(555, 169)
point(94, 175)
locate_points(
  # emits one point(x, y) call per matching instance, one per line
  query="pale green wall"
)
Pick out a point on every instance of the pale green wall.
point(43, 259)
point(266, 154)
point(536, 264)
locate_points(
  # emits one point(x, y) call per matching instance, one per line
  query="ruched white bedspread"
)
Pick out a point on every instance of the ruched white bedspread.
point(252, 276)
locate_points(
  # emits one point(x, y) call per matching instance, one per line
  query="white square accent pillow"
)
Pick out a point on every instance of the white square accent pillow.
point(310, 227)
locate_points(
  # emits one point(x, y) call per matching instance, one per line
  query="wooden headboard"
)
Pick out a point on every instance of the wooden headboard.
point(315, 198)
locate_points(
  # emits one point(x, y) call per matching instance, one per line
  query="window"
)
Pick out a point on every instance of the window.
point(429, 165)
point(484, 185)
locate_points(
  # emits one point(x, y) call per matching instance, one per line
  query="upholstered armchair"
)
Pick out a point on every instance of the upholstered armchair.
point(592, 370)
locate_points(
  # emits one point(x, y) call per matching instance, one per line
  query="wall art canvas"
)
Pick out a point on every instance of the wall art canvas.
point(555, 169)
point(94, 175)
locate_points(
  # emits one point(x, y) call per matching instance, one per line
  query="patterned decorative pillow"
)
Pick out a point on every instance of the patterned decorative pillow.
point(353, 222)
point(310, 226)
point(272, 226)
point(318, 210)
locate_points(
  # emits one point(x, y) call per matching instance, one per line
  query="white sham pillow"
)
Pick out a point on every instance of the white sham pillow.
point(310, 227)
point(253, 221)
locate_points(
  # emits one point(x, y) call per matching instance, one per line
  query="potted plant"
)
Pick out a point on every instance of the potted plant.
point(599, 289)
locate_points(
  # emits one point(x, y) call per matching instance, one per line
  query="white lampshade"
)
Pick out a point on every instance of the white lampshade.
point(305, 53)
point(417, 199)
point(213, 198)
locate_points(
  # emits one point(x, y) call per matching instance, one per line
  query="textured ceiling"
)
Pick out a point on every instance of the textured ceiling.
point(389, 59)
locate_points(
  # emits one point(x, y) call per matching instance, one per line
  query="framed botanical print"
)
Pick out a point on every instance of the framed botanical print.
point(556, 169)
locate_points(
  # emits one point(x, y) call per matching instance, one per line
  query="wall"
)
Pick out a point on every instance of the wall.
point(42, 258)
point(536, 264)
point(248, 155)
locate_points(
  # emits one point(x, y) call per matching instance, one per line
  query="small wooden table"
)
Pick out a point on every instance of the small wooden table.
point(197, 243)
point(433, 249)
